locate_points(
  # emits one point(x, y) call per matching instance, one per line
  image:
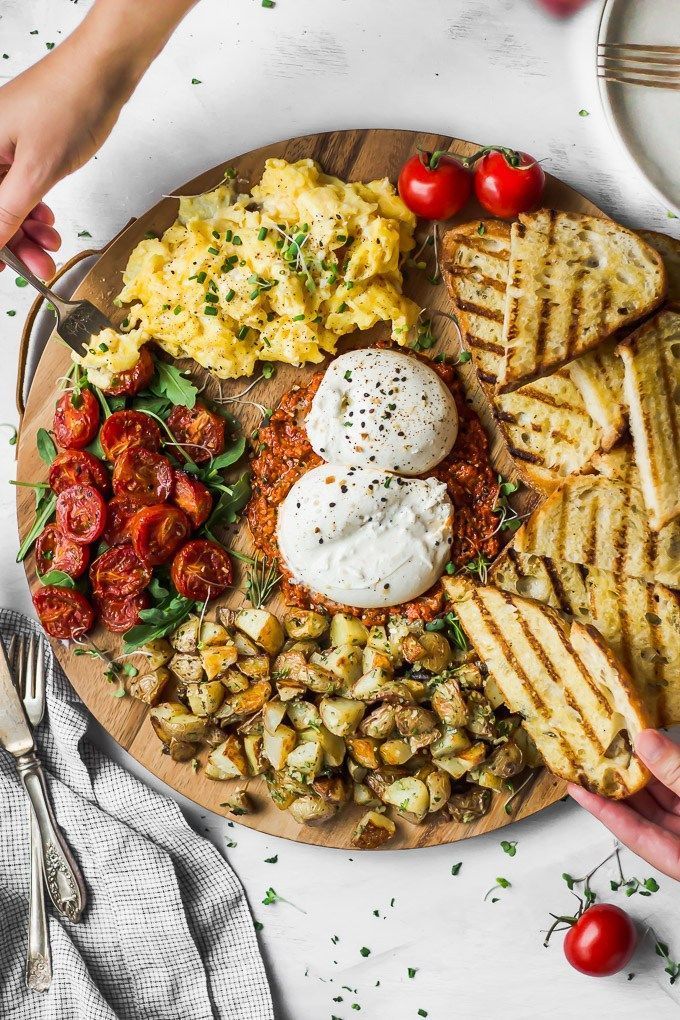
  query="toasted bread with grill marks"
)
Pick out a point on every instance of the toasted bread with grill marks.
point(602, 522)
point(579, 704)
point(639, 621)
point(669, 250)
point(651, 387)
point(545, 425)
point(573, 281)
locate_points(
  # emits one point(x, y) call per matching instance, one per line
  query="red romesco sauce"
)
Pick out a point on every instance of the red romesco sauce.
point(283, 454)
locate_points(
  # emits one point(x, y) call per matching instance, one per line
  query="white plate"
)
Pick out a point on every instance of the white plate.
point(646, 121)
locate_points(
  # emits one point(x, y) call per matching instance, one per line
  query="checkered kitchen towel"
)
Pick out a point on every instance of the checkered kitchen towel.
point(167, 934)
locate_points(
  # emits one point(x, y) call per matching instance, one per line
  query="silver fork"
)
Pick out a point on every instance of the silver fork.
point(77, 321)
point(657, 67)
point(31, 690)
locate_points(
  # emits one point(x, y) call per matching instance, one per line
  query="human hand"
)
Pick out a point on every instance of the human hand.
point(649, 821)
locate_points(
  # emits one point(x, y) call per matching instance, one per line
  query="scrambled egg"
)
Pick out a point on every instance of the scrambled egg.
point(276, 275)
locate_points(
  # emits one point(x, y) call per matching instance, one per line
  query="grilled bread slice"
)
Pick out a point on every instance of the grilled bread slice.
point(573, 281)
point(640, 622)
point(579, 704)
point(602, 522)
point(651, 386)
point(545, 425)
point(599, 375)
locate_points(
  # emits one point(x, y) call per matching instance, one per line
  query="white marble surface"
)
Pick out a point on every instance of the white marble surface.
point(491, 70)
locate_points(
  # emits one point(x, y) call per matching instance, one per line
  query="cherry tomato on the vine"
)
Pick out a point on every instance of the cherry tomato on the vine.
point(508, 183)
point(602, 940)
point(435, 185)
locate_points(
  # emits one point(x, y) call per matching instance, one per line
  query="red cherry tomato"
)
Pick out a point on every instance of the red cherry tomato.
point(201, 570)
point(81, 514)
point(435, 186)
point(602, 941)
point(54, 551)
point(157, 532)
point(77, 467)
point(119, 512)
point(76, 420)
point(191, 496)
point(125, 429)
point(508, 183)
point(199, 431)
point(63, 612)
point(142, 474)
point(118, 615)
point(119, 573)
point(126, 384)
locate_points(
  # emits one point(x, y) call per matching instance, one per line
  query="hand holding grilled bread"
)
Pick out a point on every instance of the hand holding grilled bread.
point(649, 821)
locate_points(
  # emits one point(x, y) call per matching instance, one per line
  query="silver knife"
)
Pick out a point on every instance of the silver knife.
point(63, 878)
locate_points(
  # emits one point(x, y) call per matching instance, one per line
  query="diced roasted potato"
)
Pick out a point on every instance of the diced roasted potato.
point(214, 734)
point(378, 685)
point(228, 761)
point(380, 722)
point(469, 676)
point(310, 810)
point(344, 662)
point(187, 668)
point(257, 667)
point(305, 761)
point(226, 617)
point(506, 761)
point(149, 687)
point(303, 714)
point(205, 698)
point(240, 803)
point(289, 666)
point(334, 789)
point(420, 741)
point(410, 797)
point(449, 704)
point(373, 831)
point(281, 792)
point(305, 646)
point(469, 806)
point(252, 746)
point(212, 634)
point(320, 680)
point(216, 659)
point(451, 742)
point(364, 750)
point(234, 681)
point(482, 721)
point(347, 630)
point(185, 638)
point(492, 692)
point(377, 638)
point(180, 750)
point(458, 765)
point(412, 720)
point(277, 746)
point(333, 747)
point(395, 752)
point(373, 658)
point(379, 780)
point(439, 788)
point(532, 756)
point(158, 653)
point(244, 646)
point(304, 623)
point(363, 796)
point(288, 690)
point(431, 651)
point(356, 772)
point(172, 721)
point(239, 706)
point(262, 627)
point(273, 715)
point(341, 715)
point(482, 776)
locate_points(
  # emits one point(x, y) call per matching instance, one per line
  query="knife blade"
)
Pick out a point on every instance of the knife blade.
point(15, 732)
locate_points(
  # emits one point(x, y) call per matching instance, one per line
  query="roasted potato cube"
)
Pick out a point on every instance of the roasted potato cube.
point(380, 722)
point(171, 720)
point(363, 796)
point(344, 662)
point(216, 659)
point(373, 831)
point(252, 746)
point(506, 761)
point(449, 704)
point(493, 693)
point(273, 715)
point(187, 668)
point(439, 788)
point(214, 734)
point(289, 666)
point(395, 752)
point(205, 698)
point(240, 803)
point(238, 706)
point(377, 638)
point(469, 676)
point(234, 681)
point(305, 761)
point(257, 667)
point(482, 721)
point(212, 634)
point(397, 629)
point(320, 680)
point(303, 714)
point(226, 617)
point(341, 715)
point(451, 742)
point(158, 653)
point(469, 806)
point(244, 646)
point(483, 777)
point(410, 797)
point(347, 630)
point(356, 772)
point(532, 756)
point(180, 750)
point(289, 690)
point(228, 761)
point(334, 789)
point(281, 793)
point(458, 765)
point(310, 810)
point(305, 623)
point(379, 780)
point(364, 750)
point(149, 687)
point(412, 720)
point(333, 747)
point(305, 647)
point(378, 685)
point(185, 638)
point(262, 627)
point(373, 658)
point(277, 746)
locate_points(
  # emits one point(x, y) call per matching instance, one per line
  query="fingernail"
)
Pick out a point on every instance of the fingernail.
point(650, 745)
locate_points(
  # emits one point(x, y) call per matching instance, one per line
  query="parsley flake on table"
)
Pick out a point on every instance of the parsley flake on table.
point(196, 81)
point(584, 113)
point(20, 282)
point(422, 1012)
point(365, 951)
point(455, 868)
point(509, 847)
point(501, 883)
point(272, 860)
point(84, 233)
point(412, 971)
point(258, 925)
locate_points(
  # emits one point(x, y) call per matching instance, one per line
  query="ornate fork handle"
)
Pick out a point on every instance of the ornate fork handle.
point(63, 879)
point(39, 959)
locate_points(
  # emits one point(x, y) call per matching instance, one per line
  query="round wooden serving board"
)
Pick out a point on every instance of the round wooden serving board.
point(351, 155)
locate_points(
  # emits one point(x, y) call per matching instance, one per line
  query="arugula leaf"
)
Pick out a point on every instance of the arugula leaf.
point(149, 402)
point(229, 505)
point(46, 446)
point(169, 382)
point(157, 622)
point(156, 589)
point(44, 510)
point(58, 577)
point(230, 456)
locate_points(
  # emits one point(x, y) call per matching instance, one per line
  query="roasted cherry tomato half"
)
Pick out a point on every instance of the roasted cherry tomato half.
point(63, 612)
point(142, 474)
point(157, 532)
point(508, 183)
point(602, 940)
point(119, 573)
point(201, 570)
point(77, 467)
point(81, 514)
point(435, 185)
point(119, 512)
point(54, 551)
point(191, 496)
point(118, 615)
point(199, 431)
point(76, 419)
point(126, 384)
point(125, 429)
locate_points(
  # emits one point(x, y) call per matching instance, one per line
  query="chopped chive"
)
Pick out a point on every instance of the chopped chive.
point(279, 244)
point(213, 251)
point(210, 310)
point(230, 295)
point(242, 333)
point(177, 309)
point(237, 240)
point(201, 277)
point(254, 294)
point(212, 298)
point(268, 3)
point(262, 234)
point(216, 234)
point(299, 318)
point(343, 307)
point(228, 236)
